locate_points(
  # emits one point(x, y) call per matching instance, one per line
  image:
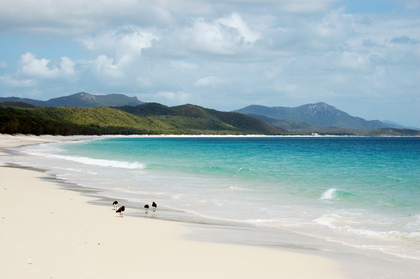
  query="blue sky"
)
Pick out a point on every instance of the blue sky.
point(361, 56)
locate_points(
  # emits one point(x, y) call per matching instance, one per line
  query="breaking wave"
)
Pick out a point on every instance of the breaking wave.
point(335, 194)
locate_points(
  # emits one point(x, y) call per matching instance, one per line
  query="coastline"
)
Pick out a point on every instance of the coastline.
point(50, 232)
point(243, 252)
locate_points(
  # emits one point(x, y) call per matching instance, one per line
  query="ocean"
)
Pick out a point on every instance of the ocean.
point(362, 193)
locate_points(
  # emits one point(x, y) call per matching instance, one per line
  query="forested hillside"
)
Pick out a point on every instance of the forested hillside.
point(105, 120)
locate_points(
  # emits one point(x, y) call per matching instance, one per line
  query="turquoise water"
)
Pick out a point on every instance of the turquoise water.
point(359, 192)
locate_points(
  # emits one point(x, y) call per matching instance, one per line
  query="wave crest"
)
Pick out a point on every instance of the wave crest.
point(335, 194)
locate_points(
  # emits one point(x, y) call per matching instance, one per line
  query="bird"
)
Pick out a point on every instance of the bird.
point(154, 205)
point(115, 204)
point(146, 208)
point(121, 210)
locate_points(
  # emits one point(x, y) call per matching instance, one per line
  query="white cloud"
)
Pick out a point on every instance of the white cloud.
point(9, 81)
point(332, 24)
point(210, 81)
point(183, 66)
point(353, 60)
point(290, 87)
point(304, 6)
point(210, 37)
point(119, 52)
point(173, 98)
point(293, 36)
point(223, 36)
point(126, 40)
point(235, 21)
point(106, 68)
point(79, 17)
point(42, 68)
point(293, 6)
point(411, 4)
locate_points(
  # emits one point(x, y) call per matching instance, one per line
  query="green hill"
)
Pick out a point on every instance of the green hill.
point(152, 118)
point(143, 119)
point(193, 119)
point(16, 104)
point(75, 121)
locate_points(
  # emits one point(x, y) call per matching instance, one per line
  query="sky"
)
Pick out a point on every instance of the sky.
point(360, 56)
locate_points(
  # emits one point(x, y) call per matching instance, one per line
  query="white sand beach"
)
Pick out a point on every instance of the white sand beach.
point(50, 232)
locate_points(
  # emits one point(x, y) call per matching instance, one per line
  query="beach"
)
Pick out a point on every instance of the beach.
point(48, 231)
point(57, 218)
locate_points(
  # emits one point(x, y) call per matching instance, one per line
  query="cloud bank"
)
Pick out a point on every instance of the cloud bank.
point(223, 54)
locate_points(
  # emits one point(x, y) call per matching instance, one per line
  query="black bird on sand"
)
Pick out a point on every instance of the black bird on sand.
point(121, 210)
point(146, 208)
point(154, 206)
point(115, 204)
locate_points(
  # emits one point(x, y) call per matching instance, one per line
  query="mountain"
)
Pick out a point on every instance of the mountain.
point(319, 114)
point(81, 99)
point(84, 113)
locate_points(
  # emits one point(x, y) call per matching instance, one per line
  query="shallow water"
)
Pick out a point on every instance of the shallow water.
point(363, 193)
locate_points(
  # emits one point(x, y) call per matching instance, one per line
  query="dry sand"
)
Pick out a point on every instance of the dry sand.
point(50, 232)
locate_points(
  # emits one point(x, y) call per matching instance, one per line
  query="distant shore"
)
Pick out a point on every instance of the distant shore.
point(50, 232)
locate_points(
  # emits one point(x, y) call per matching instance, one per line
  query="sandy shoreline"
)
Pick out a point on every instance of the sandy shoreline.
point(48, 232)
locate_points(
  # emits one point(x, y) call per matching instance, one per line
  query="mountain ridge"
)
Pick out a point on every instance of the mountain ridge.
point(81, 99)
point(310, 118)
point(317, 114)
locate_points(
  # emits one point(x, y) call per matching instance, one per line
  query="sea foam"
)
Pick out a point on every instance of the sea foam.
point(335, 194)
point(330, 194)
point(331, 220)
point(102, 162)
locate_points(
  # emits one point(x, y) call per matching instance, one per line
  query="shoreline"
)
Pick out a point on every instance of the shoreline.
point(51, 232)
point(286, 260)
